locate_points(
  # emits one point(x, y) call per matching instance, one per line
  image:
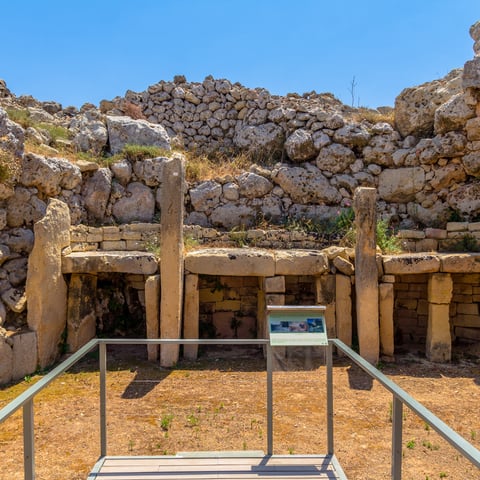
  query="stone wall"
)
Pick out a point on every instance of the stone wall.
point(425, 167)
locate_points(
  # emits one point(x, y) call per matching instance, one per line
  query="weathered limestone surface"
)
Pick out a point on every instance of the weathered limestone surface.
point(439, 340)
point(126, 130)
point(231, 261)
point(24, 363)
point(110, 262)
point(81, 315)
point(410, 263)
point(6, 364)
point(275, 284)
point(386, 298)
point(325, 295)
point(298, 262)
point(460, 262)
point(191, 315)
point(152, 313)
point(366, 274)
point(46, 289)
point(172, 264)
point(343, 311)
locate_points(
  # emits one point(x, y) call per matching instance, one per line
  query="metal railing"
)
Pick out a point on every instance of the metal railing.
point(400, 398)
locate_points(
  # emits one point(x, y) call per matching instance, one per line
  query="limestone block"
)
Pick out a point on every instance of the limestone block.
point(110, 262)
point(46, 289)
point(410, 263)
point(366, 274)
point(440, 287)
point(274, 284)
point(231, 261)
point(330, 320)
point(152, 313)
point(343, 310)
point(460, 262)
point(343, 266)
point(15, 299)
point(6, 362)
point(401, 184)
point(172, 264)
point(111, 233)
point(114, 245)
point(439, 340)
point(126, 130)
point(81, 316)
point(24, 354)
point(191, 308)
point(325, 289)
point(275, 299)
point(300, 262)
point(426, 245)
point(386, 298)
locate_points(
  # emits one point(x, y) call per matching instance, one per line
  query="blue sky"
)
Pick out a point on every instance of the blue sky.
point(88, 50)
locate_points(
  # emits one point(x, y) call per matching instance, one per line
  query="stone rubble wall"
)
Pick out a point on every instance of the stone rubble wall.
point(457, 236)
point(425, 168)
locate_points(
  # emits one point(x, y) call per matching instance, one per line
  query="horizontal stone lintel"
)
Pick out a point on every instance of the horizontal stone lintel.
point(110, 262)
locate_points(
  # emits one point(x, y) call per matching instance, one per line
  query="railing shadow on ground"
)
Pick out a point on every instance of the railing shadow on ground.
point(399, 398)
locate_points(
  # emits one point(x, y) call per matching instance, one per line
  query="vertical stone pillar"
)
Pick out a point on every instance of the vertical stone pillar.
point(152, 313)
point(46, 289)
point(386, 299)
point(366, 273)
point(191, 311)
point(343, 310)
point(171, 253)
point(439, 340)
point(325, 295)
point(81, 316)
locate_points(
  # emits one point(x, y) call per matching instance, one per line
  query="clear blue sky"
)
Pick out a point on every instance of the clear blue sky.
point(80, 51)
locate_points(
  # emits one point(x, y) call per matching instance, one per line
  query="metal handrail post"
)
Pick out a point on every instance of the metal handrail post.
point(28, 441)
point(269, 400)
point(397, 429)
point(330, 442)
point(102, 350)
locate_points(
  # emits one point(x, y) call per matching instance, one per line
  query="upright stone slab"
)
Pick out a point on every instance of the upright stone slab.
point(46, 289)
point(439, 339)
point(325, 295)
point(366, 273)
point(24, 363)
point(171, 252)
point(152, 313)
point(191, 311)
point(343, 311)
point(81, 316)
point(386, 298)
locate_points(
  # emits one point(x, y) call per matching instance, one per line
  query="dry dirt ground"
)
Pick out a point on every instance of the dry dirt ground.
point(218, 403)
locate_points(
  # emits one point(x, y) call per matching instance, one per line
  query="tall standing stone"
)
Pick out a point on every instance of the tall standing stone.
point(46, 288)
point(343, 311)
point(171, 252)
point(366, 273)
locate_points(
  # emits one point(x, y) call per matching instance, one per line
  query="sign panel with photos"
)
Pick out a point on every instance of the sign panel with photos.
point(297, 325)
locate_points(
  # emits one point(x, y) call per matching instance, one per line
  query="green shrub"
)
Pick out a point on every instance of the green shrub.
point(9, 167)
point(20, 116)
point(136, 153)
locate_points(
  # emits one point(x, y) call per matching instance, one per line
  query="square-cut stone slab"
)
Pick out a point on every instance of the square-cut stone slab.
point(110, 262)
point(231, 261)
point(410, 263)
